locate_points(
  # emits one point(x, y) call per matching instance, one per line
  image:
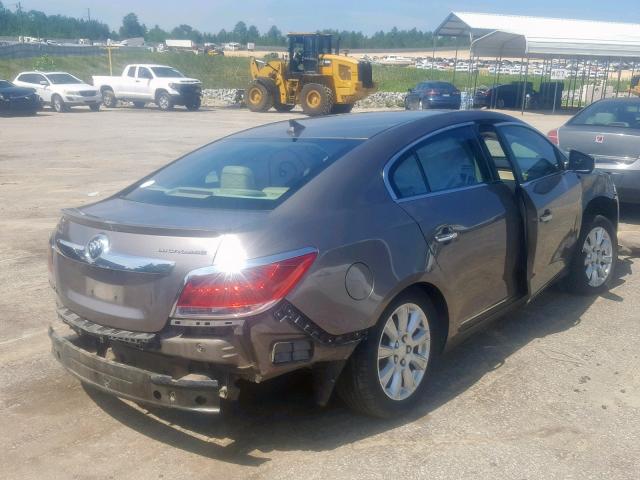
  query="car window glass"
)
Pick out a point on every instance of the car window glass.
point(500, 160)
point(450, 160)
point(131, 72)
point(63, 78)
point(406, 178)
point(144, 73)
point(609, 114)
point(534, 155)
point(240, 173)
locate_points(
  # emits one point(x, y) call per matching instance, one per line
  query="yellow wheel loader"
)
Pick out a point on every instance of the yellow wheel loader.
point(320, 81)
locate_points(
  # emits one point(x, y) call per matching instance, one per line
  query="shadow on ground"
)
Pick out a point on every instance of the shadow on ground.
point(280, 415)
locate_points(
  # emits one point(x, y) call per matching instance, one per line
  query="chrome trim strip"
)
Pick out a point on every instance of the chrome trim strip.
point(113, 261)
point(255, 262)
point(392, 161)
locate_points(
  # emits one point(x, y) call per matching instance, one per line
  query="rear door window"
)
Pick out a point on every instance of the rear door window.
point(131, 72)
point(446, 161)
point(240, 173)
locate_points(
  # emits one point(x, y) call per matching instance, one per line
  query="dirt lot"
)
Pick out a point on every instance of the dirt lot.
point(553, 391)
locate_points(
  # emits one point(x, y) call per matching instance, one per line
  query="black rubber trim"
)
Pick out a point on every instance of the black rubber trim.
point(285, 312)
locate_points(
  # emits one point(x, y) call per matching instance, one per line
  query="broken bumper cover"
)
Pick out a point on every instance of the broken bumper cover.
point(135, 383)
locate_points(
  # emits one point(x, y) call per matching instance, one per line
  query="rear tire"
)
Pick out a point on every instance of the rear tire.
point(259, 98)
point(164, 101)
point(342, 108)
point(594, 261)
point(58, 104)
point(316, 99)
point(399, 353)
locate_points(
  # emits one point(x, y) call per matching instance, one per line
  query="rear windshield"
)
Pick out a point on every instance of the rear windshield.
point(5, 84)
point(610, 114)
point(62, 78)
point(166, 72)
point(435, 85)
point(248, 174)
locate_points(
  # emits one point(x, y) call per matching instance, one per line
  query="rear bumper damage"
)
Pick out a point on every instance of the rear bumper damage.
point(133, 383)
point(159, 368)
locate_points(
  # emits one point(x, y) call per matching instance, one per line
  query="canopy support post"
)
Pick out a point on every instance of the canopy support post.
point(455, 63)
point(524, 89)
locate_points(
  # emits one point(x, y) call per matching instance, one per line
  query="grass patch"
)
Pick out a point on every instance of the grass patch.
point(233, 72)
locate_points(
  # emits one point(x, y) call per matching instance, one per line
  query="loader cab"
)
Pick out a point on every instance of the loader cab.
point(305, 50)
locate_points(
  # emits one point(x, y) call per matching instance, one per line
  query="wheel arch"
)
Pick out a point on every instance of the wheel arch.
point(104, 88)
point(435, 295)
point(158, 92)
point(601, 205)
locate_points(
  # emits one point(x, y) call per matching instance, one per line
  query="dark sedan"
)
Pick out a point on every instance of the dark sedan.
point(357, 247)
point(508, 95)
point(425, 95)
point(18, 99)
point(609, 131)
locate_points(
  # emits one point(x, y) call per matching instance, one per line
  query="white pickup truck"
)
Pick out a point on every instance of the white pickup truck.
point(144, 83)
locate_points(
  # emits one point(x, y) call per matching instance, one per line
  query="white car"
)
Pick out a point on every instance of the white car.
point(165, 86)
point(61, 90)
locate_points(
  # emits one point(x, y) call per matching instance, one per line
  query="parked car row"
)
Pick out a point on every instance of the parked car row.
point(140, 84)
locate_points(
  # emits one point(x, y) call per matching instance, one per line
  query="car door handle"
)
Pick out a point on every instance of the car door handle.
point(446, 235)
point(547, 216)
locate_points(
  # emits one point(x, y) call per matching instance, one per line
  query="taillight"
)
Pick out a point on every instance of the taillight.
point(433, 91)
point(553, 137)
point(214, 292)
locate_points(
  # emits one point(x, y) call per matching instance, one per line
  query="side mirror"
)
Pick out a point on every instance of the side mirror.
point(581, 162)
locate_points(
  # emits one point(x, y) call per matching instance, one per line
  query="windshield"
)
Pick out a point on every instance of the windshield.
point(5, 84)
point(166, 72)
point(244, 174)
point(62, 78)
point(610, 114)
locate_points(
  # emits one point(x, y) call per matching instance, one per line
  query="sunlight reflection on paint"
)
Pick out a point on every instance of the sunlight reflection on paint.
point(231, 256)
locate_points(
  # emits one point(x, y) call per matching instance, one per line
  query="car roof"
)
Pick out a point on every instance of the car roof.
point(46, 73)
point(150, 65)
point(363, 125)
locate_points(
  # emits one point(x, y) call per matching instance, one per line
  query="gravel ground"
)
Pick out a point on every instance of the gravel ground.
point(550, 392)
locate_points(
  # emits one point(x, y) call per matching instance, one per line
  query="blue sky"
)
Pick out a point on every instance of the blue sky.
point(367, 16)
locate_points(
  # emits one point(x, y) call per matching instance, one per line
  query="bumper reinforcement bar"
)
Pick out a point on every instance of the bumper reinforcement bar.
point(135, 383)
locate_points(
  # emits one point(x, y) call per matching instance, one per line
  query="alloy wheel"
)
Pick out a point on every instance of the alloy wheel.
point(403, 351)
point(598, 260)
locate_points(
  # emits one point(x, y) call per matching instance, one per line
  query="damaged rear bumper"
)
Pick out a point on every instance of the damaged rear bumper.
point(134, 383)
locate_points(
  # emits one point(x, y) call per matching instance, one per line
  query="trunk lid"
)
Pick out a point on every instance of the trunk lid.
point(122, 264)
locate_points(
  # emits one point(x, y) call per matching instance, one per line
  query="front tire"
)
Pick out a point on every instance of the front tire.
point(316, 99)
point(387, 373)
point(58, 104)
point(594, 261)
point(164, 101)
point(109, 99)
point(259, 98)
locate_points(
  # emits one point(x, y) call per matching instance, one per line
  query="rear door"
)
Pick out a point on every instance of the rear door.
point(143, 83)
point(471, 223)
point(128, 83)
point(551, 198)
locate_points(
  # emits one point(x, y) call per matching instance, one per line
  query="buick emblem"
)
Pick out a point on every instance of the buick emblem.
point(599, 138)
point(96, 247)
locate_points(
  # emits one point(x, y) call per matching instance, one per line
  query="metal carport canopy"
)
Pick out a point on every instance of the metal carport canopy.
point(518, 36)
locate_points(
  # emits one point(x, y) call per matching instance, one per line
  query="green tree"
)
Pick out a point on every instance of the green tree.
point(156, 35)
point(131, 27)
point(240, 32)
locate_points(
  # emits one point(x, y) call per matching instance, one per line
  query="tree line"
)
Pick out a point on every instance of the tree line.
point(34, 23)
point(38, 24)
